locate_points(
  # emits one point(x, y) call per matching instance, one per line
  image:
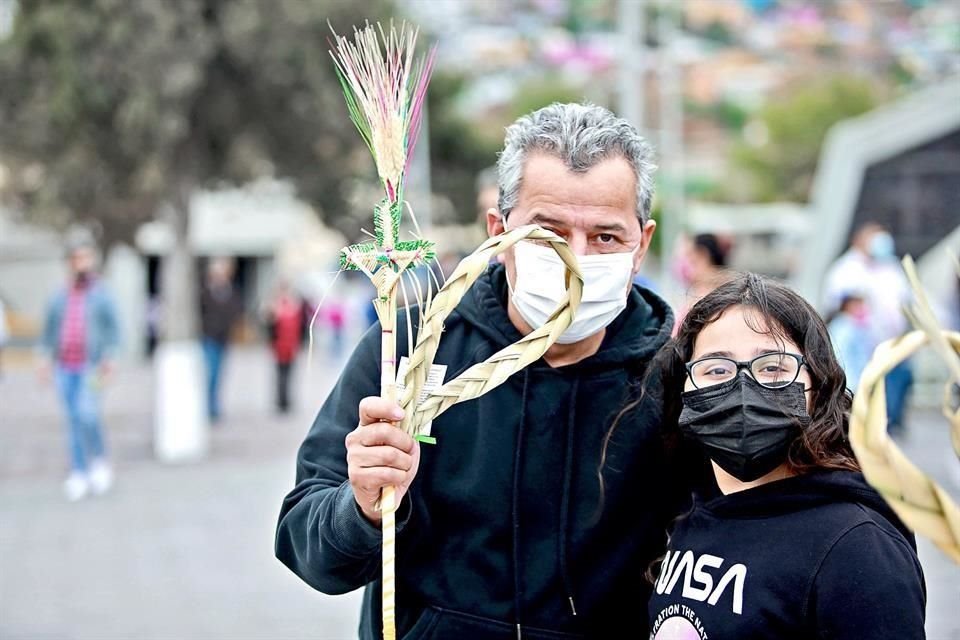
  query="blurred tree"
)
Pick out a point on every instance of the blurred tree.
point(461, 148)
point(718, 33)
point(780, 162)
point(113, 110)
point(542, 92)
point(457, 152)
point(723, 112)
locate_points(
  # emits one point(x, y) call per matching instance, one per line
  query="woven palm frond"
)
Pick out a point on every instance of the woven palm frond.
point(919, 501)
point(486, 375)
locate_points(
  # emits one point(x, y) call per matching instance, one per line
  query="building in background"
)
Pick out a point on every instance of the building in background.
point(898, 165)
point(263, 226)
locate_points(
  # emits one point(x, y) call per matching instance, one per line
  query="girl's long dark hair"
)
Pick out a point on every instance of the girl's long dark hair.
point(779, 311)
point(782, 312)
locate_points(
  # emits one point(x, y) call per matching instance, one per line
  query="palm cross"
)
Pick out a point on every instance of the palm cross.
point(385, 260)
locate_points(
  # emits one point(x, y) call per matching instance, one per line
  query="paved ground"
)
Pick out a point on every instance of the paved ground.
point(174, 551)
point(186, 552)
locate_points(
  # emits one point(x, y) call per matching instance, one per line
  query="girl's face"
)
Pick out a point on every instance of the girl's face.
point(729, 336)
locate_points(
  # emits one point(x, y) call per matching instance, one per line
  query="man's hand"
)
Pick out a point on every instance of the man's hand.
point(380, 455)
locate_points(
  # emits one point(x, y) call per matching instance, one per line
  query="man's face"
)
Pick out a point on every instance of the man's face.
point(595, 211)
point(81, 261)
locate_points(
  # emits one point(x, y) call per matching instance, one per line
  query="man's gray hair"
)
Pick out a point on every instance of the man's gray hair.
point(582, 135)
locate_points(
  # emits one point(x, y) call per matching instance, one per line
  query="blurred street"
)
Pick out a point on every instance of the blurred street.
point(187, 551)
point(172, 551)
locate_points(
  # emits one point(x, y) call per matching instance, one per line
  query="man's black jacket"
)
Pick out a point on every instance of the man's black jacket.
point(507, 525)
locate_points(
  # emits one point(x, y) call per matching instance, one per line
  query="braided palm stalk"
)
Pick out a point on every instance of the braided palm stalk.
point(484, 376)
point(919, 501)
point(922, 316)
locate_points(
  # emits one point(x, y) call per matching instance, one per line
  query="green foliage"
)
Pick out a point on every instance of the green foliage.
point(460, 148)
point(125, 104)
point(656, 242)
point(457, 152)
point(725, 113)
point(719, 33)
point(540, 93)
point(900, 74)
point(796, 125)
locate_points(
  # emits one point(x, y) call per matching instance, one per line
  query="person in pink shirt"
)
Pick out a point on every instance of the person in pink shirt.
point(79, 339)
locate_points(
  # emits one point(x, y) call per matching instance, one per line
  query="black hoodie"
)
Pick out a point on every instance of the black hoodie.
point(819, 555)
point(506, 532)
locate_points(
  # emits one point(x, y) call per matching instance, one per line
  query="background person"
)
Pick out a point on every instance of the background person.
point(220, 308)
point(870, 266)
point(80, 336)
point(702, 267)
point(285, 317)
point(850, 334)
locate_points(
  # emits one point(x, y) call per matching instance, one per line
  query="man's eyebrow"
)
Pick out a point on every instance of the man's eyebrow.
point(609, 226)
point(542, 218)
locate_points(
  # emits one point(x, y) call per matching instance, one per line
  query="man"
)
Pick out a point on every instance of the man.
point(79, 338)
point(505, 529)
point(870, 267)
point(220, 306)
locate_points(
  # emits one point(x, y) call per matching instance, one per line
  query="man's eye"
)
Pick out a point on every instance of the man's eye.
point(606, 238)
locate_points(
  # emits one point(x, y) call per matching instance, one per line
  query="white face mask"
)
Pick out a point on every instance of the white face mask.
point(540, 288)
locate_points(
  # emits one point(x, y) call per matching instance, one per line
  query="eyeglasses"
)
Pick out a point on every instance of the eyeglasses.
point(772, 370)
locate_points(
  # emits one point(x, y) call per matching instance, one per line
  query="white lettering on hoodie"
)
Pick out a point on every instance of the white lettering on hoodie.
point(698, 578)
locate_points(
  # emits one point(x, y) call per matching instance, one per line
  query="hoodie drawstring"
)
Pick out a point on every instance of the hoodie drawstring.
point(515, 505)
point(565, 496)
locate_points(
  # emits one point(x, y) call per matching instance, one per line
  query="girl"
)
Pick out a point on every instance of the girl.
point(790, 542)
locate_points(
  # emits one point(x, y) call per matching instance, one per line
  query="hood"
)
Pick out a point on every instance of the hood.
point(634, 336)
point(804, 492)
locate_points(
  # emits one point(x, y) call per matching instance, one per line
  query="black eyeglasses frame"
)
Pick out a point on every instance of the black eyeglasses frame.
point(748, 365)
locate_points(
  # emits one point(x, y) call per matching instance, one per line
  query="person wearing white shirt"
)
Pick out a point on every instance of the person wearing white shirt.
point(871, 266)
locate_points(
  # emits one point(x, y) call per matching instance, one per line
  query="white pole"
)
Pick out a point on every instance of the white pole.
point(631, 18)
point(671, 141)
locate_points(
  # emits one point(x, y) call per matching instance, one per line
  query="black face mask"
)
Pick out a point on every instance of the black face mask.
point(743, 426)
